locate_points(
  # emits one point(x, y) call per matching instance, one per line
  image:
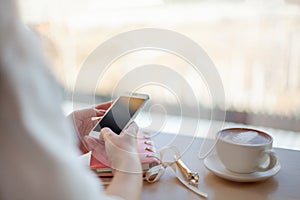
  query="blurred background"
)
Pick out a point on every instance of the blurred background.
point(254, 44)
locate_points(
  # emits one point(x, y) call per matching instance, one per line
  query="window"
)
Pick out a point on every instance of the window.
point(255, 46)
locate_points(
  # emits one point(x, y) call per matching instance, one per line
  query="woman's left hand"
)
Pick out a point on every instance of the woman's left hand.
point(83, 123)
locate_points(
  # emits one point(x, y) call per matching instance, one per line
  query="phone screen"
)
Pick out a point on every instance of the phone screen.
point(120, 114)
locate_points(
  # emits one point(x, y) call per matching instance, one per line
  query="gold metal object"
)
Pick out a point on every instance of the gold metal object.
point(192, 177)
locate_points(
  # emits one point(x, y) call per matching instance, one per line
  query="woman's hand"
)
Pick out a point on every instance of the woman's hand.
point(83, 122)
point(121, 150)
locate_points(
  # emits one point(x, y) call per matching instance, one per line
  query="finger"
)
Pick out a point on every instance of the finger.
point(107, 134)
point(133, 126)
point(132, 129)
point(104, 106)
point(91, 143)
point(96, 120)
point(98, 112)
point(88, 113)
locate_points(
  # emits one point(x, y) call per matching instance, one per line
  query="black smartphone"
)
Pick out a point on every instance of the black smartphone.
point(122, 112)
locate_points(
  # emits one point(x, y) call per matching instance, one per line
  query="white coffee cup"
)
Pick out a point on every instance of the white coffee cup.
point(244, 150)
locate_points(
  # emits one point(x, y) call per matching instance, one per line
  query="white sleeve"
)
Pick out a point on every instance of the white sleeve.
point(38, 151)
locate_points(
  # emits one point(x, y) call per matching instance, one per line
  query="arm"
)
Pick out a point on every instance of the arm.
point(125, 184)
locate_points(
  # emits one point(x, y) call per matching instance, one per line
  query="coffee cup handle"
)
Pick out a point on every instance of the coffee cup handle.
point(272, 160)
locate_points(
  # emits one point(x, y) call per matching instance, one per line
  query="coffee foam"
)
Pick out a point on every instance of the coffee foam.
point(245, 137)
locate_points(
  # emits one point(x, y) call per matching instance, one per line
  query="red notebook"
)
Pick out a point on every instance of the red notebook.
point(145, 148)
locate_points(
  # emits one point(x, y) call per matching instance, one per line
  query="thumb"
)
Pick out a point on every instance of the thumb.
point(91, 142)
point(107, 134)
point(132, 129)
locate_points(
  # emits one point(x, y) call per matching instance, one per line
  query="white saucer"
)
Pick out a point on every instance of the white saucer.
point(213, 163)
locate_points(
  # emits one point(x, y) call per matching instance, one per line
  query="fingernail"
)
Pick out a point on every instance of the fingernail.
point(106, 131)
point(95, 118)
point(99, 110)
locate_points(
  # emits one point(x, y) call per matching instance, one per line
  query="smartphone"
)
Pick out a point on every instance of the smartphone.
point(122, 112)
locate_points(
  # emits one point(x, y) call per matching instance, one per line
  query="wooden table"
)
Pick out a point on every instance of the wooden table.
point(285, 185)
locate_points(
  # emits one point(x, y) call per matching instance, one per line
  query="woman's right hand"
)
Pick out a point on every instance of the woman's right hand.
point(120, 150)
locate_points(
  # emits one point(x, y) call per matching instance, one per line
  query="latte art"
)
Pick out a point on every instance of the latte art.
point(245, 150)
point(245, 137)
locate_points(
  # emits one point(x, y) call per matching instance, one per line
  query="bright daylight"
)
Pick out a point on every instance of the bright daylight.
point(150, 99)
